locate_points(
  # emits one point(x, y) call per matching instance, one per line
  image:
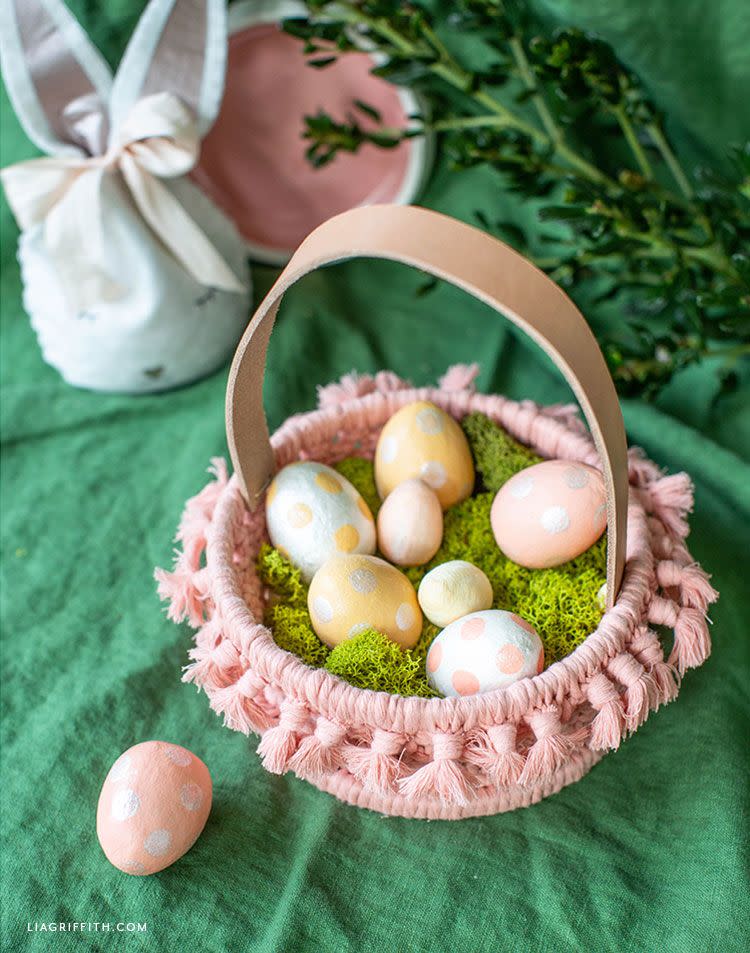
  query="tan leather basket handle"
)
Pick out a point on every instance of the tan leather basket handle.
point(487, 269)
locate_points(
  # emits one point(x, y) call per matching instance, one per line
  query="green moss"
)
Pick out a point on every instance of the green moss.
point(281, 576)
point(293, 631)
point(497, 456)
point(372, 660)
point(361, 474)
point(560, 603)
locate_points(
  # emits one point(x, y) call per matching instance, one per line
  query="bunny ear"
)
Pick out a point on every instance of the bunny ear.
point(180, 47)
point(56, 79)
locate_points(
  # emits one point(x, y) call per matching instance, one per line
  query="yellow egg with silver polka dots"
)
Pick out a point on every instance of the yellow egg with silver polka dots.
point(313, 512)
point(349, 594)
point(422, 441)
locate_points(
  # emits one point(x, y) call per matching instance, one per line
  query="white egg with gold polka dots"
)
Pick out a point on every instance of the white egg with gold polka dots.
point(349, 594)
point(483, 651)
point(313, 512)
point(422, 442)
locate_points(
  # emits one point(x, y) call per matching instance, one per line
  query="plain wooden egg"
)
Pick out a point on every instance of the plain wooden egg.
point(349, 594)
point(422, 441)
point(549, 513)
point(153, 806)
point(452, 590)
point(410, 524)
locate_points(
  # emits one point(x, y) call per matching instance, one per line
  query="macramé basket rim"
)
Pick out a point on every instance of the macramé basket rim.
point(332, 697)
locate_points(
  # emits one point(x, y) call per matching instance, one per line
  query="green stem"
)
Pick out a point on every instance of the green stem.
point(670, 160)
point(635, 147)
point(450, 71)
point(540, 104)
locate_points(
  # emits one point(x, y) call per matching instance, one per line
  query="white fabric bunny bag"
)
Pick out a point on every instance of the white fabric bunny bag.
point(134, 280)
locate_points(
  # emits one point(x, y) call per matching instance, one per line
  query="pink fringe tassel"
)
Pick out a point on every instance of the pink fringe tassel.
point(237, 704)
point(494, 752)
point(609, 721)
point(279, 744)
point(443, 777)
point(320, 754)
point(460, 377)
point(692, 643)
point(551, 749)
point(696, 591)
point(215, 667)
point(640, 688)
point(672, 500)
point(646, 647)
point(378, 765)
point(186, 591)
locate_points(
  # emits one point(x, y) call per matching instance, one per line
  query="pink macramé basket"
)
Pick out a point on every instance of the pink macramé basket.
point(418, 757)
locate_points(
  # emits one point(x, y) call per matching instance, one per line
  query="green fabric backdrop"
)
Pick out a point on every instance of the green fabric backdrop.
point(647, 853)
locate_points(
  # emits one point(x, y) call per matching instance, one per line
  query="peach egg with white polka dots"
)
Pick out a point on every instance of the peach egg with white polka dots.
point(483, 651)
point(549, 513)
point(153, 806)
point(313, 512)
point(422, 442)
point(349, 594)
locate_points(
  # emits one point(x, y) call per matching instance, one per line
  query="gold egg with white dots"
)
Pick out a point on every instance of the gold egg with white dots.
point(351, 593)
point(421, 441)
point(313, 512)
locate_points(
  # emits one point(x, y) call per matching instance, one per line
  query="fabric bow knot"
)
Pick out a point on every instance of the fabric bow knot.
point(158, 140)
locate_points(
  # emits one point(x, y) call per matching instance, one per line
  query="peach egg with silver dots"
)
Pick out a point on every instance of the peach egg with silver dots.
point(421, 441)
point(313, 512)
point(153, 806)
point(549, 513)
point(482, 652)
point(349, 594)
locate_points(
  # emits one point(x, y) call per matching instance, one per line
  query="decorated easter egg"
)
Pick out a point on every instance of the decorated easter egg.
point(549, 513)
point(410, 524)
point(452, 590)
point(483, 651)
point(153, 805)
point(312, 513)
point(422, 441)
point(349, 594)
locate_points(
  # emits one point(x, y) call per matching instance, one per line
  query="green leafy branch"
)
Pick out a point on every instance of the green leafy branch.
point(671, 247)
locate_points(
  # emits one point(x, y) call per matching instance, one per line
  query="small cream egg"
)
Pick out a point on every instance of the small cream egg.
point(153, 806)
point(410, 524)
point(422, 441)
point(482, 652)
point(313, 512)
point(549, 513)
point(349, 594)
point(452, 590)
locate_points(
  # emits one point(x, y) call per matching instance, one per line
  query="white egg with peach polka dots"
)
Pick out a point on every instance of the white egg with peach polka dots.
point(549, 513)
point(313, 512)
point(350, 594)
point(153, 806)
point(483, 651)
